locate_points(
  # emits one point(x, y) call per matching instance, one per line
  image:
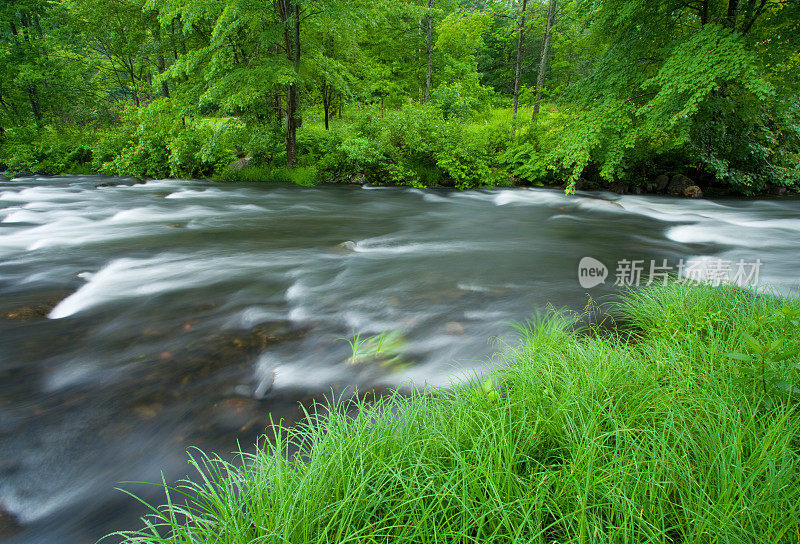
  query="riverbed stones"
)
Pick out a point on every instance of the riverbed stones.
point(776, 190)
point(678, 184)
point(8, 525)
point(693, 191)
point(31, 312)
point(584, 184)
point(454, 328)
point(345, 247)
point(661, 183)
point(358, 179)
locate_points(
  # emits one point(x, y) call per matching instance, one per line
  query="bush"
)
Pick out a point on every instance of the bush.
point(156, 141)
point(48, 150)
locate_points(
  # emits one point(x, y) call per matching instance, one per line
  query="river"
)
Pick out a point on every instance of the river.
point(138, 320)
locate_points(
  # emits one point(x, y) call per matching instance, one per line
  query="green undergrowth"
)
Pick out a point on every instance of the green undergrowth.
point(668, 428)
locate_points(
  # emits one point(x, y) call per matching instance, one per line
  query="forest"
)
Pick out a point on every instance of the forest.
point(627, 95)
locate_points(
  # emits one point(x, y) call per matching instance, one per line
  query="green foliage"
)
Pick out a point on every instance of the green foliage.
point(415, 146)
point(385, 349)
point(48, 150)
point(154, 142)
point(184, 87)
point(306, 176)
point(566, 443)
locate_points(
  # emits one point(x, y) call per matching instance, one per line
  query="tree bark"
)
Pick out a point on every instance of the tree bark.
point(545, 58)
point(733, 13)
point(518, 67)
point(326, 101)
point(33, 98)
point(289, 12)
point(161, 63)
point(428, 50)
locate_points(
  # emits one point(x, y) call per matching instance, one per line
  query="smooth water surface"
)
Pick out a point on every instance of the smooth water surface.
point(137, 320)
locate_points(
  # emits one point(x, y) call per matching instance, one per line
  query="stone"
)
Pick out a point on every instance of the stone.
point(345, 247)
point(240, 163)
point(777, 190)
point(661, 183)
point(453, 328)
point(583, 184)
point(28, 313)
point(358, 179)
point(148, 411)
point(8, 525)
point(678, 184)
point(693, 191)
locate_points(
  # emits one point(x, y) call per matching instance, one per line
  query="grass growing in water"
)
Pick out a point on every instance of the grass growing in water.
point(653, 435)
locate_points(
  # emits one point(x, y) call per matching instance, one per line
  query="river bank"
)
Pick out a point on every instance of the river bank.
point(415, 146)
point(672, 185)
point(138, 320)
point(662, 427)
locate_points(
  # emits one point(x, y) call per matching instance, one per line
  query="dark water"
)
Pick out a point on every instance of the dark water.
point(139, 320)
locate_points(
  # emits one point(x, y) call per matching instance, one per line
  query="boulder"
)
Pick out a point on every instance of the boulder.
point(776, 190)
point(661, 183)
point(240, 163)
point(678, 184)
point(693, 191)
point(583, 184)
point(620, 188)
point(358, 179)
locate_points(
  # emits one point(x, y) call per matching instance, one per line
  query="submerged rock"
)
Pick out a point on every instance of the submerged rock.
point(346, 246)
point(453, 328)
point(28, 313)
point(8, 525)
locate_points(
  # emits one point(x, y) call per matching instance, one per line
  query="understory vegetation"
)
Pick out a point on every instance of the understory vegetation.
point(674, 420)
point(461, 93)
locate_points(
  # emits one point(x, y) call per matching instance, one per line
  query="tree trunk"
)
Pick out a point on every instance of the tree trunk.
point(326, 102)
point(33, 97)
point(733, 13)
point(289, 12)
point(545, 58)
point(518, 67)
point(161, 63)
point(428, 50)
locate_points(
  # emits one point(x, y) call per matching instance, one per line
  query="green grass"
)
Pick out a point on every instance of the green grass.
point(649, 433)
point(302, 175)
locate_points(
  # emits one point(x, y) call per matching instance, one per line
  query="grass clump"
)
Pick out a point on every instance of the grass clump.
point(650, 434)
point(303, 175)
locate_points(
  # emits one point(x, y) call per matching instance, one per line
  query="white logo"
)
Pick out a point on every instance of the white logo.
point(591, 272)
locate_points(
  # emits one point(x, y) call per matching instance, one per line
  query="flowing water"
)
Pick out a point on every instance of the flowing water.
point(138, 320)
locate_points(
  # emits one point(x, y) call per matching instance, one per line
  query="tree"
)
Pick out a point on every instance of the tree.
point(675, 85)
point(544, 60)
point(518, 65)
